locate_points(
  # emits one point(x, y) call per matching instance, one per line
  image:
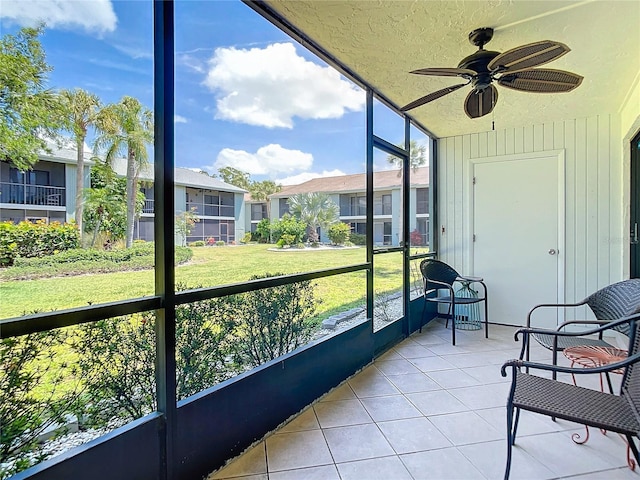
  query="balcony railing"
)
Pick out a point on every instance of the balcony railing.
point(22, 194)
point(148, 206)
point(211, 210)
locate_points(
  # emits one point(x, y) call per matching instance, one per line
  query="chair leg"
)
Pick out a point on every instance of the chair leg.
point(608, 382)
point(512, 426)
point(486, 316)
point(634, 449)
point(453, 323)
point(424, 309)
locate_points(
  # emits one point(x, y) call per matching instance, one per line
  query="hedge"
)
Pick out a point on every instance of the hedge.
point(27, 239)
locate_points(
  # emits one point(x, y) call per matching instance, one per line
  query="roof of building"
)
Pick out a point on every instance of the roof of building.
point(65, 152)
point(382, 180)
point(183, 176)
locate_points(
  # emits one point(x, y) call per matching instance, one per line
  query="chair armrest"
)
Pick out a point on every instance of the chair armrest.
point(552, 305)
point(579, 370)
point(464, 278)
point(583, 322)
point(602, 328)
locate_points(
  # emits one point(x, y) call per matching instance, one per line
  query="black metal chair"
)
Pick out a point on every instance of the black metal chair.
point(437, 276)
point(616, 413)
point(612, 302)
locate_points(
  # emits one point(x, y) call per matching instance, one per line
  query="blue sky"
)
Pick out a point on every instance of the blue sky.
point(247, 95)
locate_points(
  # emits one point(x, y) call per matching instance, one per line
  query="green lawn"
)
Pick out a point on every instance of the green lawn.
point(210, 266)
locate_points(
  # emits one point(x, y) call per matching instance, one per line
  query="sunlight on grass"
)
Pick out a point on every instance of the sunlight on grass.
point(210, 266)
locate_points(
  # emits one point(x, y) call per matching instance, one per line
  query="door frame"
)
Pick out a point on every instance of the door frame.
point(469, 186)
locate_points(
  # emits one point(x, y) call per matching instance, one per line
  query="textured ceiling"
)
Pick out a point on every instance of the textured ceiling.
point(382, 41)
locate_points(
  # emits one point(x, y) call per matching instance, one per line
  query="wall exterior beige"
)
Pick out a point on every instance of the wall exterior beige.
point(596, 240)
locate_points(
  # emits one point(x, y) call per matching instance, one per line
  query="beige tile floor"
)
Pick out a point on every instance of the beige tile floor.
point(428, 410)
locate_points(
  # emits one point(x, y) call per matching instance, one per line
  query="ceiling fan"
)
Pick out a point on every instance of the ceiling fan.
point(511, 69)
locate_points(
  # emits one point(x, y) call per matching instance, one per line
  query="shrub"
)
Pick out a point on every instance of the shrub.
point(339, 233)
point(288, 239)
point(220, 243)
point(263, 231)
point(27, 406)
point(246, 238)
point(300, 245)
point(415, 238)
point(197, 243)
point(273, 321)
point(28, 239)
point(358, 239)
point(211, 241)
point(288, 225)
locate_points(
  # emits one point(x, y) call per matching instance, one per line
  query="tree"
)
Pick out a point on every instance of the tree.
point(81, 110)
point(235, 177)
point(29, 113)
point(261, 191)
point(105, 203)
point(417, 157)
point(316, 209)
point(184, 223)
point(125, 129)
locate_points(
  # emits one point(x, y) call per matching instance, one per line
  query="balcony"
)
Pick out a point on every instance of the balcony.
point(36, 195)
point(148, 206)
point(425, 409)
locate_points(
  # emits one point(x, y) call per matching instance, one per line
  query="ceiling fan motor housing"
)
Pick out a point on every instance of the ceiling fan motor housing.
point(478, 62)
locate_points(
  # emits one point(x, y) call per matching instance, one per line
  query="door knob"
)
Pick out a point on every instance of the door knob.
point(552, 251)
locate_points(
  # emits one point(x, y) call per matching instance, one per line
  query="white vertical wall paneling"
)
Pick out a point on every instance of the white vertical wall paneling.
point(539, 138)
point(457, 233)
point(491, 144)
point(463, 207)
point(619, 181)
point(529, 140)
point(569, 142)
point(518, 143)
point(604, 191)
point(447, 220)
point(482, 144)
point(473, 145)
point(548, 137)
point(580, 206)
point(592, 204)
point(594, 230)
point(510, 141)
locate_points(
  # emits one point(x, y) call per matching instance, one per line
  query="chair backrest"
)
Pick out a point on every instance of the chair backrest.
point(615, 301)
point(436, 270)
point(631, 380)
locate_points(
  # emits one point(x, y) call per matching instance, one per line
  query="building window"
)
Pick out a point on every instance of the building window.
point(358, 227)
point(422, 200)
point(283, 207)
point(422, 225)
point(258, 211)
point(386, 204)
point(386, 233)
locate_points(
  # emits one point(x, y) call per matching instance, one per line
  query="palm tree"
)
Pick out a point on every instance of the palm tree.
point(81, 110)
point(316, 209)
point(261, 191)
point(417, 157)
point(126, 128)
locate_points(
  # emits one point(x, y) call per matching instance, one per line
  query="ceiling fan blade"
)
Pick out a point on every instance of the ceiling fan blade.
point(432, 96)
point(527, 56)
point(480, 103)
point(541, 80)
point(445, 72)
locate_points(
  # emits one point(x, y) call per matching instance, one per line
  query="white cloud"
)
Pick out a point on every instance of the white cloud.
point(94, 16)
point(268, 160)
point(269, 86)
point(179, 119)
point(306, 176)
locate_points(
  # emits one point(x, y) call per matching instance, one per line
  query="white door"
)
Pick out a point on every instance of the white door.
point(518, 247)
